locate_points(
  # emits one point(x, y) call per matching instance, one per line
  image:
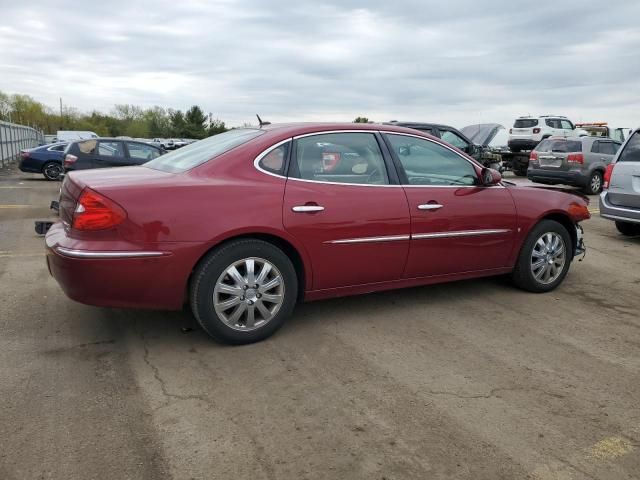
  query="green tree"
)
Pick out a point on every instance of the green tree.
point(215, 126)
point(361, 120)
point(195, 121)
point(178, 123)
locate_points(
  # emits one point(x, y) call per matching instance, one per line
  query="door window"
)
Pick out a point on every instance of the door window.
point(140, 151)
point(274, 161)
point(428, 163)
point(566, 125)
point(608, 148)
point(631, 152)
point(454, 139)
point(595, 148)
point(110, 149)
point(340, 158)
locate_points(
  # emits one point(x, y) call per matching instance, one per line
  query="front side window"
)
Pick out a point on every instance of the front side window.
point(631, 152)
point(340, 158)
point(428, 163)
point(608, 148)
point(110, 149)
point(140, 151)
point(275, 160)
point(454, 140)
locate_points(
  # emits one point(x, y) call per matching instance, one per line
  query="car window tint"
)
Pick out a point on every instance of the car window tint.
point(58, 148)
point(454, 139)
point(595, 148)
point(607, 148)
point(87, 147)
point(559, 145)
point(631, 152)
point(341, 158)
point(428, 163)
point(550, 122)
point(140, 151)
point(274, 160)
point(110, 149)
point(566, 124)
point(525, 123)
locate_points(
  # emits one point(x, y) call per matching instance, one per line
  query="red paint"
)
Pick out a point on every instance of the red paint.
point(185, 215)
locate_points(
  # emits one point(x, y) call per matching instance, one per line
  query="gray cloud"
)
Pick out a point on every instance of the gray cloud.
point(455, 62)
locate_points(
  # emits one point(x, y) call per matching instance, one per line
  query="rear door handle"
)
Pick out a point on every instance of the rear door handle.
point(307, 208)
point(430, 206)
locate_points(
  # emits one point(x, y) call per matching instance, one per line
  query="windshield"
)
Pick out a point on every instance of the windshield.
point(561, 146)
point(202, 151)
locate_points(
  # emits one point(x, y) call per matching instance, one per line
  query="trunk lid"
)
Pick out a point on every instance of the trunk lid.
point(554, 154)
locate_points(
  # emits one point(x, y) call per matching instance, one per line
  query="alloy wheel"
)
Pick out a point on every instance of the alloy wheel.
point(595, 183)
point(548, 257)
point(52, 171)
point(248, 294)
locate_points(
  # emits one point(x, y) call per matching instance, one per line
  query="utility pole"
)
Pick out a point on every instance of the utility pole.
point(61, 119)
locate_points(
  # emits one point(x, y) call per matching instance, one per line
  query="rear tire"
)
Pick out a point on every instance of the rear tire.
point(520, 170)
point(52, 171)
point(544, 258)
point(628, 229)
point(594, 186)
point(224, 299)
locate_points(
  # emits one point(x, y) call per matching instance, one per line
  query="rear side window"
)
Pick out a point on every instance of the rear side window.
point(631, 152)
point(57, 148)
point(608, 148)
point(340, 158)
point(525, 123)
point(560, 146)
point(274, 161)
point(110, 149)
point(140, 151)
point(200, 152)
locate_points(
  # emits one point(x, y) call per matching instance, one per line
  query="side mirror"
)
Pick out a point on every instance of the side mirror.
point(490, 177)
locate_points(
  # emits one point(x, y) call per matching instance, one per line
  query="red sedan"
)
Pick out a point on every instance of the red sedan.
point(245, 224)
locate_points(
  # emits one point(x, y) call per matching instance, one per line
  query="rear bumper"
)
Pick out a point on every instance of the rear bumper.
point(117, 274)
point(574, 178)
point(522, 144)
point(613, 212)
point(29, 165)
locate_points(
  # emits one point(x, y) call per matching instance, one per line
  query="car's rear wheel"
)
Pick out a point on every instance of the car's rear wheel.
point(244, 291)
point(520, 170)
point(52, 170)
point(544, 258)
point(627, 228)
point(594, 186)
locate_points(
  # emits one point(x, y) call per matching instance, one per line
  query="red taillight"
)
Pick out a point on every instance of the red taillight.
point(24, 154)
point(534, 156)
point(575, 158)
point(96, 212)
point(330, 161)
point(607, 175)
point(536, 130)
point(70, 160)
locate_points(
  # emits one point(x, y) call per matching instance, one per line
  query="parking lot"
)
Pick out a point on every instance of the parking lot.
point(470, 380)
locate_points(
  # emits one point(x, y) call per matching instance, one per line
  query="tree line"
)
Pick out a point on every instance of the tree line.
point(124, 120)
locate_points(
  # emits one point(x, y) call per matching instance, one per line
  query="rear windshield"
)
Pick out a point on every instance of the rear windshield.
point(562, 146)
point(525, 123)
point(200, 152)
point(631, 152)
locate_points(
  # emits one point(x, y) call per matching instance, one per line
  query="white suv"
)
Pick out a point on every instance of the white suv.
point(527, 132)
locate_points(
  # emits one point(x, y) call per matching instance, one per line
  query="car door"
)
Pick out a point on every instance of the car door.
point(345, 206)
point(456, 225)
point(624, 186)
point(110, 153)
point(139, 153)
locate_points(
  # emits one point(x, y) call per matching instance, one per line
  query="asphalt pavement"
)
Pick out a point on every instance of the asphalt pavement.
point(473, 380)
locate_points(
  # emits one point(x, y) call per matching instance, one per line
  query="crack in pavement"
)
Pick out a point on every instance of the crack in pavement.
point(493, 392)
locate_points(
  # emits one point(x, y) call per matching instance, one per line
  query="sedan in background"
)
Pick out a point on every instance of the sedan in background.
point(244, 224)
point(580, 162)
point(46, 160)
point(620, 200)
point(108, 152)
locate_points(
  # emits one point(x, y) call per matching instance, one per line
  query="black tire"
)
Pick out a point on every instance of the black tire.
point(523, 276)
point(520, 170)
point(52, 170)
point(215, 264)
point(594, 185)
point(627, 228)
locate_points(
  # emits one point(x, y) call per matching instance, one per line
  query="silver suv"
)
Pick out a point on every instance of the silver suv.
point(572, 161)
point(620, 201)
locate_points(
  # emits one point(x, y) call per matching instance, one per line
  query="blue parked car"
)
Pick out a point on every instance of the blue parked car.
point(46, 160)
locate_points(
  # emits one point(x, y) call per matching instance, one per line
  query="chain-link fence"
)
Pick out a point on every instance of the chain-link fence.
point(13, 138)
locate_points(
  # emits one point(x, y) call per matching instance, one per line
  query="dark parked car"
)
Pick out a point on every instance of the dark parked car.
point(108, 152)
point(46, 160)
point(451, 135)
point(245, 224)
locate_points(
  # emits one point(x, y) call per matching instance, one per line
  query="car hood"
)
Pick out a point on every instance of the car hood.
point(482, 133)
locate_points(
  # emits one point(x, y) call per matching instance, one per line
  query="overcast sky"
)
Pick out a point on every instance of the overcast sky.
point(457, 62)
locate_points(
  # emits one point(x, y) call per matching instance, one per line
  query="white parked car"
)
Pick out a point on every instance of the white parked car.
point(527, 132)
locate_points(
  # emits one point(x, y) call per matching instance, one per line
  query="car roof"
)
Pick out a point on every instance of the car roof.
point(295, 129)
point(109, 139)
point(419, 124)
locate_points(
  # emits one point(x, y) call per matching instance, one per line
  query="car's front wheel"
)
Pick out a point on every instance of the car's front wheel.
point(244, 291)
point(544, 258)
point(52, 170)
point(628, 229)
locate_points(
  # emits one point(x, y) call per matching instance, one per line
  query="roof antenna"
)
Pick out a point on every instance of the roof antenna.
point(261, 122)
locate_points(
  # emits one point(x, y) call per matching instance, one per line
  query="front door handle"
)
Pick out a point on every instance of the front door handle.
point(430, 206)
point(307, 208)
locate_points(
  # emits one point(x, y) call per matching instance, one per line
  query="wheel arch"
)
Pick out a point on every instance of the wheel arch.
point(564, 220)
point(294, 251)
